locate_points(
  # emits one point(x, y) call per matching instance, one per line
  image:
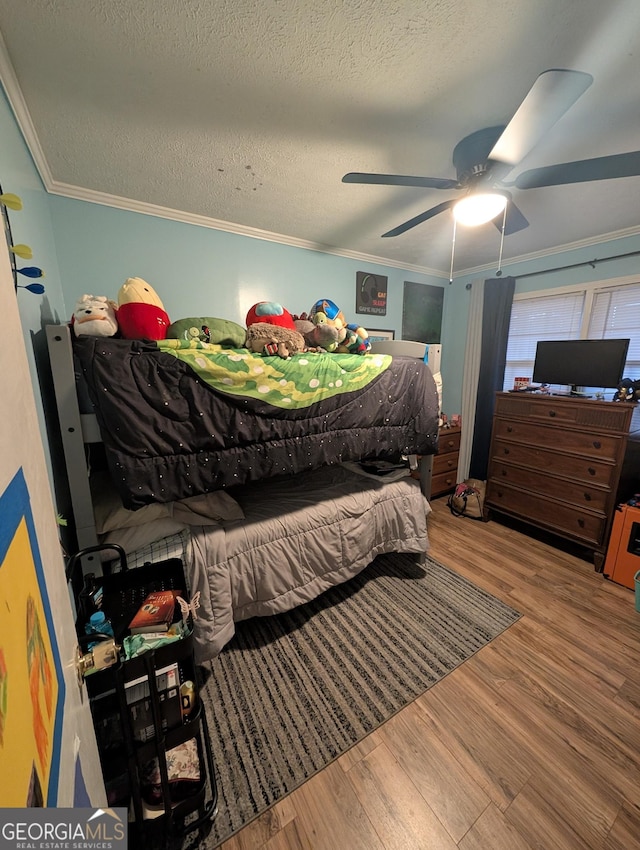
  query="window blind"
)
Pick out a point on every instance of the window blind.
point(533, 319)
point(605, 312)
point(616, 315)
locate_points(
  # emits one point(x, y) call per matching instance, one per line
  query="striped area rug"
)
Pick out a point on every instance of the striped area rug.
point(294, 691)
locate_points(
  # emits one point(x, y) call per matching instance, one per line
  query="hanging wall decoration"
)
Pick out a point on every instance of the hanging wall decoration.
point(10, 201)
point(371, 294)
point(422, 312)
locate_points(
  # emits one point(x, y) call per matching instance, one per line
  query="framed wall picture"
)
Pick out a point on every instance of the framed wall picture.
point(376, 334)
point(422, 312)
point(371, 294)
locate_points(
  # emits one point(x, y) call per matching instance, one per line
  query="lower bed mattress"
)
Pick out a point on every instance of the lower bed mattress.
point(300, 536)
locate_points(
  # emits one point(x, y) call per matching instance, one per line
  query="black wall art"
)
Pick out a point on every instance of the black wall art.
point(422, 312)
point(371, 294)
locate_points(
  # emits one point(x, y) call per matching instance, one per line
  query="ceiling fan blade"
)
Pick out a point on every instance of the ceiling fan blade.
point(551, 95)
point(513, 222)
point(581, 171)
point(425, 216)
point(400, 180)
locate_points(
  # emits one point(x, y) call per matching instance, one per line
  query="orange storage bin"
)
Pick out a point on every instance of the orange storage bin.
point(623, 553)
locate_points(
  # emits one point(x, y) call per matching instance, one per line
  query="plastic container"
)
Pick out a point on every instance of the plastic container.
point(636, 580)
point(98, 623)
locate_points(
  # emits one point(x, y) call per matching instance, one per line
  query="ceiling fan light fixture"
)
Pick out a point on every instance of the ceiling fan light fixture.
point(479, 208)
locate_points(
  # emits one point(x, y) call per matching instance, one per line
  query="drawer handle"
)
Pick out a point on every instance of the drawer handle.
point(587, 497)
point(509, 429)
point(581, 523)
point(505, 451)
point(552, 413)
point(597, 444)
point(504, 472)
point(591, 471)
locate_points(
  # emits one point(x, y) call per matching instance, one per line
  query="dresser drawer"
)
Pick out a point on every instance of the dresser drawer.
point(555, 516)
point(570, 467)
point(578, 493)
point(443, 483)
point(604, 446)
point(447, 463)
point(448, 441)
point(576, 414)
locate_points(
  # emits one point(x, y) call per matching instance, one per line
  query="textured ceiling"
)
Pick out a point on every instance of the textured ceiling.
point(250, 111)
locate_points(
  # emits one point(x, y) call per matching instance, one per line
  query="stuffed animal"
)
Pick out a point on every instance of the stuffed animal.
point(272, 313)
point(221, 332)
point(141, 314)
point(265, 338)
point(354, 340)
point(94, 315)
point(627, 390)
point(320, 337)
point(271, 330)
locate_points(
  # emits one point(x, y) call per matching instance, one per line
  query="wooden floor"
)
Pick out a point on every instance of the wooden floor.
point(532, 743)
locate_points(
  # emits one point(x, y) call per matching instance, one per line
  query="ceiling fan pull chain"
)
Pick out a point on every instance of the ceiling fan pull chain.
point(453, 248)
point(504, 224)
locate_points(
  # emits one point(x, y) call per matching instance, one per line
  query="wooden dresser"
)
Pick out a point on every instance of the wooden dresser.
point(445, 463)
point(555, 463)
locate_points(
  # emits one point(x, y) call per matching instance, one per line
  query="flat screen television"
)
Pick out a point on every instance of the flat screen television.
point(580, 362)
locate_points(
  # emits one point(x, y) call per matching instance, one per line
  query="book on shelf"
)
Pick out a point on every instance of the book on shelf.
point(156, 612)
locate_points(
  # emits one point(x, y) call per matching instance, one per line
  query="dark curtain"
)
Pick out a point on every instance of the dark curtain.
point(496, 314)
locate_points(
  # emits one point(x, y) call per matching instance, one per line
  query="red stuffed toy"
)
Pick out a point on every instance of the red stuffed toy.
point(270, 313)
point(141, 314)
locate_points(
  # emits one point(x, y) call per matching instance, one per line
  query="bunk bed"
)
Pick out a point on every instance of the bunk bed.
point(272, 479)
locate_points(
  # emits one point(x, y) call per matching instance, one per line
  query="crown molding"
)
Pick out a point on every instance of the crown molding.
point(23, 118)
point(79, 193)
point(551, 252)
point(54, 187)
point(22, 115)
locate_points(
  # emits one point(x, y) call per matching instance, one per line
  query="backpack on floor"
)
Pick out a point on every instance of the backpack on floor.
point(468, 499)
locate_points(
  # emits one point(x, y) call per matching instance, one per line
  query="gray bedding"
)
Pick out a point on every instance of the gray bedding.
point(301, 535)
point(180, 422)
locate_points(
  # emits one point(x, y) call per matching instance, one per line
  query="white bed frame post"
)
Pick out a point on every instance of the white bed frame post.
point(75, 431)
point(431, 354)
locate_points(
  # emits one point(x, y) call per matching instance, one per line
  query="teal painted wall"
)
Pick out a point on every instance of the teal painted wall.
point(86, 247)
point(457, 296)
point(32, 226)
point(198, 271)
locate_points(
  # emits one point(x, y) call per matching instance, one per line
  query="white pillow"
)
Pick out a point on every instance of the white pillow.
point(136, 537)
point(207, 509)
point(109, 512)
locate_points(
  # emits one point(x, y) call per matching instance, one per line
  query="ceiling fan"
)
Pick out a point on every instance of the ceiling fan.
point(484, 158)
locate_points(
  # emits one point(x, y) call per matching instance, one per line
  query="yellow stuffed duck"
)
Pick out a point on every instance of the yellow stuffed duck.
point(141, 313)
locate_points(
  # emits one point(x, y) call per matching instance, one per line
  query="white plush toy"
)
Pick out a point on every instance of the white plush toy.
point(95, 315)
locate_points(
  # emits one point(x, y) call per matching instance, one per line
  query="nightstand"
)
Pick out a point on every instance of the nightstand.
point(445, 463)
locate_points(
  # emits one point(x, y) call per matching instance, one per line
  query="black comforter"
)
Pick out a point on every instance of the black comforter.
point(179, 423)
